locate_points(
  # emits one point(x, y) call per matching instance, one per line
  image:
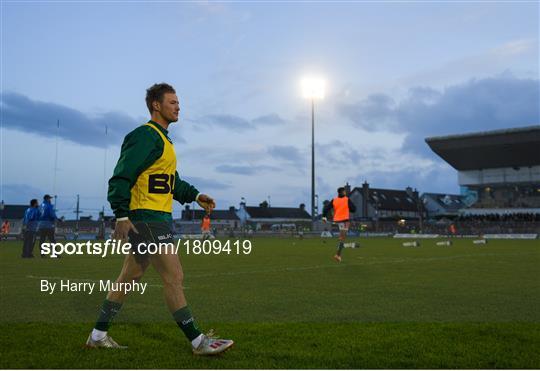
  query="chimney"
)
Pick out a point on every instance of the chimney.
point(365, 199)
point(347, 189)
point(409, 192)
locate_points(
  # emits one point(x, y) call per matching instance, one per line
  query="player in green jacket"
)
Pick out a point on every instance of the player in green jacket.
point(141, 192)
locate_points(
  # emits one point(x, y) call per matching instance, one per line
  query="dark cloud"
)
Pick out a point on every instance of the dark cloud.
point(486, 104)
point(441, 179)
point(375, 113)
point(244, 169)
point(271, 119)
point(290, 154)
point(21, 194)
point(23, 114)
point(340, 154)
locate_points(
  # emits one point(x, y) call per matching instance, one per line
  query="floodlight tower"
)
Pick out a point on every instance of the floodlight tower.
point(313, 88)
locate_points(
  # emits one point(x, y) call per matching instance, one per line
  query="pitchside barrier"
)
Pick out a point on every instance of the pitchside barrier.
point(516, 236)
point(414, 235)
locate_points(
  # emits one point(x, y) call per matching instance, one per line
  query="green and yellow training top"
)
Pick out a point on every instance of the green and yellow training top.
point(145, 180)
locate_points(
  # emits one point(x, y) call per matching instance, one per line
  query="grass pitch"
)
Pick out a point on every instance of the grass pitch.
point(289, 305)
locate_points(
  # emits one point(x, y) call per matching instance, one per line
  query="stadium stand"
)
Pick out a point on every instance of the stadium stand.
point(440, 205)
point(497, 169)
point(499, 174)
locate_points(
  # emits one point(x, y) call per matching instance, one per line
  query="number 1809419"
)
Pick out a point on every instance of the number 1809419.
point(207, 247)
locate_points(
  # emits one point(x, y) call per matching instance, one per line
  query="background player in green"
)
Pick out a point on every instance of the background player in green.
point(141, 190)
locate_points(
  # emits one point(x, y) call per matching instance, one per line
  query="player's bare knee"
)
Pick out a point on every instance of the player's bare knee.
point(130, 277)
point(174, 280)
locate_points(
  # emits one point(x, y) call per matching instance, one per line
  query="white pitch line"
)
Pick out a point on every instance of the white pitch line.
point(412, 260)
point(337, 265)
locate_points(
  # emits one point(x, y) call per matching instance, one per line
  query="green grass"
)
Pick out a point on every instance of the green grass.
point(288, 305)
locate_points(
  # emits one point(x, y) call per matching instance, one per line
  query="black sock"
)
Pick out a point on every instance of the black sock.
point(340, 247)
point(186, 322)
point(109, 309)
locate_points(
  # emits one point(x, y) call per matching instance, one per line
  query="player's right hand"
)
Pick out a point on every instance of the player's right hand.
point(122, 228)
point(324, 220)
point(206, 202)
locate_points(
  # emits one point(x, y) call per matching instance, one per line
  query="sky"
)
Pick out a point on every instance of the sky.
point(395, 72)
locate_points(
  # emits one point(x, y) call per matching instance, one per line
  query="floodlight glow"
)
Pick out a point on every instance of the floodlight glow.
point(313, 87)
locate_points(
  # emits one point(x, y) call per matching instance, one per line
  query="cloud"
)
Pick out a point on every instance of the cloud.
point(24, 114)
point(515, 47)
point(270, 119)
point(476, 105)
point(521, 54)
point(20, 194)
point(237, 123)
point(441, 178)
point(244, 169)
point(288, 153)
point(375, 113)
point(290, 156)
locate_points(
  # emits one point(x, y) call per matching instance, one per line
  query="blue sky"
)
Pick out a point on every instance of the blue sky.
point(396, 73)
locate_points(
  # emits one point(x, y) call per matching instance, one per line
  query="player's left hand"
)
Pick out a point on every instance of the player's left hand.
point(206, 202)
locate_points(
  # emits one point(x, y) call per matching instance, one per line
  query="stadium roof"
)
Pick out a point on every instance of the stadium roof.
point(492, 149)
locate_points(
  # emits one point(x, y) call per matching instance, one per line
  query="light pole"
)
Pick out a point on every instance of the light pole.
point(313, 216)
point(313, 88)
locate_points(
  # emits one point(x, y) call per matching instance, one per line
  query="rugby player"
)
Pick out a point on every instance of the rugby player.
point(342, 206)
point(205, 227)
point(141, 191)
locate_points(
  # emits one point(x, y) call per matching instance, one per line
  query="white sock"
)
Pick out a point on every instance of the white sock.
point(197, 341)
point(97, 335)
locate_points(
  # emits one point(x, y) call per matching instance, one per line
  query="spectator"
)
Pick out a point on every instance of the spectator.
point(30, 227)
point(46, 222)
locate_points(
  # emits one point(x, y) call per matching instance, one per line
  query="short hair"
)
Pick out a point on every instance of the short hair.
point(156, 93)
point(341, 189)
point(33, 202)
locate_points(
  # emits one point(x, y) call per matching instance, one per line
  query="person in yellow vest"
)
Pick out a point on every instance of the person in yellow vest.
point(205, 227)
point(141, 193)
point(343, 207)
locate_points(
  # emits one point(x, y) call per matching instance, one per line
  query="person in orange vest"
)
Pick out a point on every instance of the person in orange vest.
point(205, 227)
point(5, 229)
point(342, 207)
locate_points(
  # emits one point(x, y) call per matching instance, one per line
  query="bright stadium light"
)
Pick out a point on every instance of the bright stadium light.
point(313, 87)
